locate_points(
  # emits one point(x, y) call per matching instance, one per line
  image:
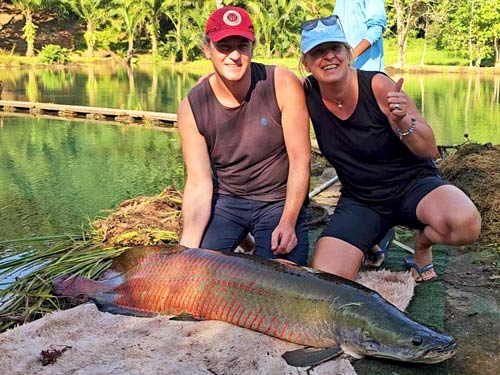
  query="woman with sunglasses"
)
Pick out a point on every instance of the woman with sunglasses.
point(382, 149)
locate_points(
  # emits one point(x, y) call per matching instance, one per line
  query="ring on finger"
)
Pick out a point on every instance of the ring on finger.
point(396, 106)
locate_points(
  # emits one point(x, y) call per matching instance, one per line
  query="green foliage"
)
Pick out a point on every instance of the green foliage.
point(413, 55)
point(460, 29)
point(94, 13)
point(472, 29)
point(54, 54)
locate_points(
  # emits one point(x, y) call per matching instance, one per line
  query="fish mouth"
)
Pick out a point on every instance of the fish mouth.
point(439, 354)
point(431, 355)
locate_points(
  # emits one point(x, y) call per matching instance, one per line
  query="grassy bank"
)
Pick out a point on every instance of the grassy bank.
point(434, 61)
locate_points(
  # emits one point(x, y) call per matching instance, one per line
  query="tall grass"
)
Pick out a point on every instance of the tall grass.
point(413, 55)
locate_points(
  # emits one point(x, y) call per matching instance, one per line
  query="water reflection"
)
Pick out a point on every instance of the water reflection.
point(56, 174)
point(454, 104)
point(150, 88)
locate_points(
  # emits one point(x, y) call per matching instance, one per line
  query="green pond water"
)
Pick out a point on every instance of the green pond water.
point(56, 174)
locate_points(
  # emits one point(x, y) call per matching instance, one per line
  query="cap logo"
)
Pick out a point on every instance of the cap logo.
point(231, 18)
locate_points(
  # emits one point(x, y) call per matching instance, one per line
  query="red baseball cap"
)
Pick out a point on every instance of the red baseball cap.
point(229, 21)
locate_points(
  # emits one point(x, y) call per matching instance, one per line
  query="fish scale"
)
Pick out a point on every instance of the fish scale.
point(226, 284)
point(292, 303)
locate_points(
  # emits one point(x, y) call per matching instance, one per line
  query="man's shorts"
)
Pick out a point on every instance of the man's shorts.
point(233, 217)
point(364, 226)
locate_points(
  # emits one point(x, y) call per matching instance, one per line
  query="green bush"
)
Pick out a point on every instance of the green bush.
point(54, 54)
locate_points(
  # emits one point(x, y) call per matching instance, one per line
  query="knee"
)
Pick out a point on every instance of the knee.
point(336, 257)
point(473, 226)
point(465, 227)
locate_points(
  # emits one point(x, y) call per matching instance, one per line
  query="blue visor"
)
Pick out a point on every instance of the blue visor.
point(321, 30)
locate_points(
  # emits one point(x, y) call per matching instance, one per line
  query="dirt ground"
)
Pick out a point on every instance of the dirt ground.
point(472, 305)
point(52, 29)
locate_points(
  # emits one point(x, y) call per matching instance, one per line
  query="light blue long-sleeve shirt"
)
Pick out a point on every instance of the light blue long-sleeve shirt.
point(364, 19)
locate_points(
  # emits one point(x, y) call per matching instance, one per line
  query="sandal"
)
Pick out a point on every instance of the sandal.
point(380, 255)
point(410, 263)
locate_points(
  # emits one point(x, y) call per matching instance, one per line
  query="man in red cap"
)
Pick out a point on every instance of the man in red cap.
point(245, 139)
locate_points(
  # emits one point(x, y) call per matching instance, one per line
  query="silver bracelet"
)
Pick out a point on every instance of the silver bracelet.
point(410, 130)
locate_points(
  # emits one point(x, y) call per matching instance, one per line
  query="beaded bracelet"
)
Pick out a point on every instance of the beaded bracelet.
point(410, 130)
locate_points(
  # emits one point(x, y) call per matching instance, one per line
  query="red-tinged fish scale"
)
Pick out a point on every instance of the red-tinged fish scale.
point(212, 285)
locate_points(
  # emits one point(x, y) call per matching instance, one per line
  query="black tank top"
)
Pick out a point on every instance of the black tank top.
point(372, 164)
point(245, 143)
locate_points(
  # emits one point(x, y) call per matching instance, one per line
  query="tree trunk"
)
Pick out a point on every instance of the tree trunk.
point(400, 28)
point(424, 49)
point(130, 51)
point(479, 56)
point(90, 39)
point(497, 52)
point(471, 57)
point(154, 45)
point(30, 34)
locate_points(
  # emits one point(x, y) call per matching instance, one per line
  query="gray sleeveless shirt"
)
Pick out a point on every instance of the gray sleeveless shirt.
point(245, 143)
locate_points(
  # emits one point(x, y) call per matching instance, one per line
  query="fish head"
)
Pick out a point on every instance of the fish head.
point(385, 332)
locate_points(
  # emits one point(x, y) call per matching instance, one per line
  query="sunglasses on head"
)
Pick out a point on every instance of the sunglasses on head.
point(327, 21)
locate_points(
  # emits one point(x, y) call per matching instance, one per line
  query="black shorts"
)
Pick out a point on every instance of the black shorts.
point(364, 226)
point(233, 217)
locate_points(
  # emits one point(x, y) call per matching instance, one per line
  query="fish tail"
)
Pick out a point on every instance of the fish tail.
point(73, 286)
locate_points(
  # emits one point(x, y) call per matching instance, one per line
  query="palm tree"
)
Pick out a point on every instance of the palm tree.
point(152, 13)
point(93, 13)
point(271, 18)
point(27, 8)
point(131, 14)
point(188, 19)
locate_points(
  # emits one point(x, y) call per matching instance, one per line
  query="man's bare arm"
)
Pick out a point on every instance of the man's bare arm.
point(295, 123)
point(198, 189)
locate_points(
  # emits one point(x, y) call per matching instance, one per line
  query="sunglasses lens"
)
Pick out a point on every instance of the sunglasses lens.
point(327, 21)
point(309, 25)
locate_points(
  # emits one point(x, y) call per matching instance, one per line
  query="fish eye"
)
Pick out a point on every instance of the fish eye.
point(417, 340)
point(371, 345)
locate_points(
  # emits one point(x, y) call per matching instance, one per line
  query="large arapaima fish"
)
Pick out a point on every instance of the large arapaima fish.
point(326, 313)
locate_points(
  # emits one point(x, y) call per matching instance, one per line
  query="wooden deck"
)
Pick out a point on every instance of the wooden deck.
point(91, 113)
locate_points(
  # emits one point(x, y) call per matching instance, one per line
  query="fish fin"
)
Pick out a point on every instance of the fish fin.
point(186, 317)
point(120, 310)
point(109, 274)
point(72, 286)
point(311, 356)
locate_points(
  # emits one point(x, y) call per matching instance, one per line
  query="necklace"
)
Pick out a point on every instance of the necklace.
point(340, 103)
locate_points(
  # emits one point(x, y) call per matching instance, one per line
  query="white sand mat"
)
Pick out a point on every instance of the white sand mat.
point(96, 343)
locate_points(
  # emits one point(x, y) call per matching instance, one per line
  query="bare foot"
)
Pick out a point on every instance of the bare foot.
point(372, 261)
point(423, 257)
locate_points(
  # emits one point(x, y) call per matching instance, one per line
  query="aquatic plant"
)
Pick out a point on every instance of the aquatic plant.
point(29, 265)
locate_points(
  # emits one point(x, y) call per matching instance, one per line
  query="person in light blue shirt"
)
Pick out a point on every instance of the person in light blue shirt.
point(363, 22)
